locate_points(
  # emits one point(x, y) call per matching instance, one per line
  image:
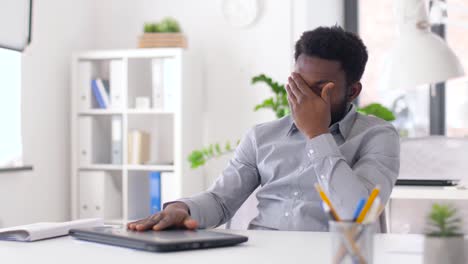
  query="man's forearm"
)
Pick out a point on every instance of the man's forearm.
point(347, 184)
point(205, 209)
point(237, 181)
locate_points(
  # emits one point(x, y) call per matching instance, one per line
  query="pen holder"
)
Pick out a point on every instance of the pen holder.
point(352, 242)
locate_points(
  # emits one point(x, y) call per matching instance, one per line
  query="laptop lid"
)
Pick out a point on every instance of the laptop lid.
point(169, 240)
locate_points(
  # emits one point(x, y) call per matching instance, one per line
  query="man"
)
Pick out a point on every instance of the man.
point(324, 140)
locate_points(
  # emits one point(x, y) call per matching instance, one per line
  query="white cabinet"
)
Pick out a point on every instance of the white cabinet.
point(100, 133)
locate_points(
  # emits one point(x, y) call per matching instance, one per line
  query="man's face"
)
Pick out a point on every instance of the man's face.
point(317, 73)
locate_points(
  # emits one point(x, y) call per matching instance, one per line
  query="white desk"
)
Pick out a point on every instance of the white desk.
point(429, 193)
point(263, 247)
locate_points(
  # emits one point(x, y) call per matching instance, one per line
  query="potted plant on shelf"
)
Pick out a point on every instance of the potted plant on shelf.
point(166, 33)
point(444, 241)
point(278, 103)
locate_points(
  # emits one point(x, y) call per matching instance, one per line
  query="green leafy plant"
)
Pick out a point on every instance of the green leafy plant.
point(199, 157)
point(443, 221)
point(167, 25)
point(377, 110)
point(278, 103)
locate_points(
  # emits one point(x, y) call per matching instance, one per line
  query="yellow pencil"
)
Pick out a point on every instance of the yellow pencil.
point(368, 204)
point(327, 201)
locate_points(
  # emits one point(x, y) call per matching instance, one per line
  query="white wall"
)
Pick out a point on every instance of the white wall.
point(59, 27)
point(226, 57)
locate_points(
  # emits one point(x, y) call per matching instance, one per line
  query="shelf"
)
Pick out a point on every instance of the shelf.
point(100, 112)
point(121, 112)
point(130, 54)
point(132, 167)
point(148, 112)
point(102, 167)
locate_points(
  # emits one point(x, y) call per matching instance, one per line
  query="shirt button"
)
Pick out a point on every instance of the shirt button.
point(296, 193)
point(286, 214)
point(311, 151)
point(322, 177)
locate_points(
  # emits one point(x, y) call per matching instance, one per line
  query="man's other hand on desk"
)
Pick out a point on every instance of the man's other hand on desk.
point(175, 215)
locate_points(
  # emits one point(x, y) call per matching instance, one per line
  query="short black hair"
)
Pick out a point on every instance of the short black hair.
point(334, 43)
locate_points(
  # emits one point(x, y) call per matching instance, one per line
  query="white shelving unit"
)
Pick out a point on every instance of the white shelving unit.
point(172, 133)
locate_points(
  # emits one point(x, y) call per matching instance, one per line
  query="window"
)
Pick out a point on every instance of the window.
point(10, 109)
point(377, 27)
point(457, 90)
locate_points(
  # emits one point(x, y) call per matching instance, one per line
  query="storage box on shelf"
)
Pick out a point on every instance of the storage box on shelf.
point(158, 40)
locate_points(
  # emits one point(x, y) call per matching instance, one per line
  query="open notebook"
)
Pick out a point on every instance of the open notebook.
point(40, 231)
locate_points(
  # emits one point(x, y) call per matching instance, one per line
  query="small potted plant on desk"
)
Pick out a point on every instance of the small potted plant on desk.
point(444, 241)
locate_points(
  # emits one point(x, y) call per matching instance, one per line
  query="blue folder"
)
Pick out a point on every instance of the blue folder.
point(97, 94)
point(155, 191)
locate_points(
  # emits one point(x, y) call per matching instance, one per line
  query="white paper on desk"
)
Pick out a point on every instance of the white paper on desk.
point(40, 231)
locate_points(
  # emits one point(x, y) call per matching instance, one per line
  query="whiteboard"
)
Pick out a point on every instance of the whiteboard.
point(15, 24)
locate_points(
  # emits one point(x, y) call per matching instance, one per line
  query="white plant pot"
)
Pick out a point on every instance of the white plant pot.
point(449, 250)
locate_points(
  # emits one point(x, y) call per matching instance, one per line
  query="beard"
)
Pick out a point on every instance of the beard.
point(339, 111)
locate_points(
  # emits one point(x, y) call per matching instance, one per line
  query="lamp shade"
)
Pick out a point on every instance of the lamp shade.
point(419, 56)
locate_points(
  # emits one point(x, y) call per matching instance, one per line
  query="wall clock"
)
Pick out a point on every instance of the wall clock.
point(240, 13)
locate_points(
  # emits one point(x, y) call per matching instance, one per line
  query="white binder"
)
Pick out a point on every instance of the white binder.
point(158, 83)
point(99, 195)
point(85, 72)
point(85, 141)
point(116, 140)
point(170, 83)
point(116, 83)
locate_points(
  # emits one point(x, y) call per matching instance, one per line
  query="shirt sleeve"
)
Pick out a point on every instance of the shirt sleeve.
point(237, 181)
point(377, 163)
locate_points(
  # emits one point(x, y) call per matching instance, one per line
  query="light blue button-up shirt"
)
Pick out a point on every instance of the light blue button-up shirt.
point(359, 153)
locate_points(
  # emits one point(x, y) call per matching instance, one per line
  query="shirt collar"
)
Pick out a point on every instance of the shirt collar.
point(343, 126)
